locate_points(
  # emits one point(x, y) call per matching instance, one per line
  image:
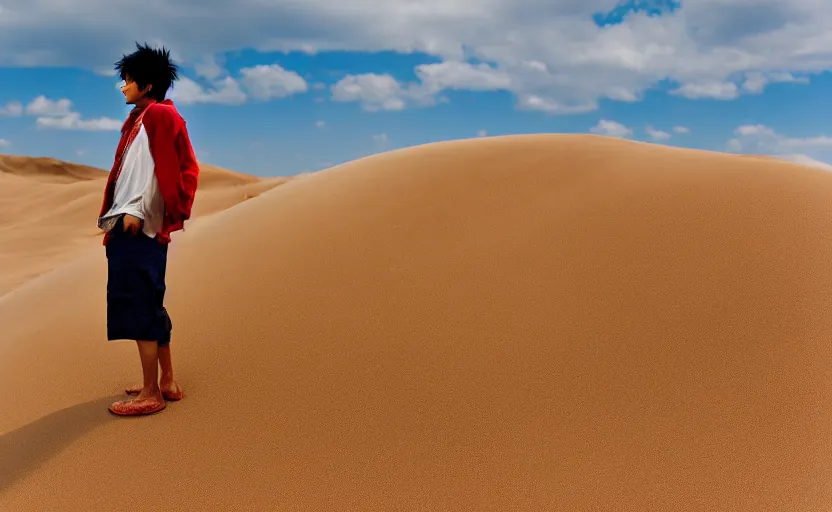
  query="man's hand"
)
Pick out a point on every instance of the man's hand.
point(132, 224)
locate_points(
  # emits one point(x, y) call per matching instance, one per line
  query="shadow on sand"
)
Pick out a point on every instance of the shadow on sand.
point(24, 449)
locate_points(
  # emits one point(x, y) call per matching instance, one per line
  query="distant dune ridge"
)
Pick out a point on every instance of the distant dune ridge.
point(539, 322)
point(48, 170)
point(48, 210)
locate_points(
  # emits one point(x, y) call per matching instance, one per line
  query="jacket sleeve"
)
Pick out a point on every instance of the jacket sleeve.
point(174, 161)
point(189, 169)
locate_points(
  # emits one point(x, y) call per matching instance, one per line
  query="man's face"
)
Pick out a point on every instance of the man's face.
point(131, 91)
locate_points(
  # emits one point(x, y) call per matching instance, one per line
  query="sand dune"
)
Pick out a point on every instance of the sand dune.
point(47, 170)
point(215, 177)
point(48, 209)
point(515, 323)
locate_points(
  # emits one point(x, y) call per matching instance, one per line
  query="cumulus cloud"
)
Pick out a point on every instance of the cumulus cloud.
point(259, 82)
point(59, 114)
point(482, 133)
point(612, 129)
point(462, 75)
point(682, 130)
point(710, 90)
point(4, 143)
point(761, 139)
point(43, 106)
point(383, 92)
point(550, 106)
point(209, 67)
point(224, 92)
point(320, 124)
point(374, 91)
point(74, 121)
point(381, 140)
point(267, 82)
point(734, 146)
point(104, 71)
point(657, 135)
point(755, 82)
point(12, 109)
point(802, 159)
point(551, 55)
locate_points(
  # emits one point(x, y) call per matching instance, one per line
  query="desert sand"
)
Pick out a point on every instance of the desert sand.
point(541, 322)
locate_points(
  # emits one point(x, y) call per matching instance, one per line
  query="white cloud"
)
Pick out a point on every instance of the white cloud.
point(535, 65)
point(710, 90)
point(552, 51)
point(622, 94)
point(462, 75)
point(733, 146)
point(102, 71)
point(657, 135)
point(682, 130)
point(375, 92)
point(59, 114)
point(4, 143)
point(755, 82)
point(761, 139)
point(267, 82)
point(612, 129)
point(550, 106)
point(225, 92)
point(320, 124)
point(73, 121)
point(209, 67)
point(43, 106)
point(383, 92)
point(381, 140)
point(262, 83)
point(12, 109)
point(482, 133)
point(802, 159)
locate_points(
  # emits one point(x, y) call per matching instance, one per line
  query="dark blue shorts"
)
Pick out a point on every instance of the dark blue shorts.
point(136, 287)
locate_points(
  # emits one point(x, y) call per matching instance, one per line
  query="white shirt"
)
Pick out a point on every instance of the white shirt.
point(136, 190)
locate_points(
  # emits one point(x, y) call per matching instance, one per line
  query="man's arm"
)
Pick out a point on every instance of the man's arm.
point(174, 160)
point(189, 168)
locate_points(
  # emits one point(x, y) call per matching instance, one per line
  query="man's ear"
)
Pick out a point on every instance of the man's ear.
point(147, 88)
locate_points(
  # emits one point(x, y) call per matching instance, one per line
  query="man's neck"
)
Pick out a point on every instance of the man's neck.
point(143, 103)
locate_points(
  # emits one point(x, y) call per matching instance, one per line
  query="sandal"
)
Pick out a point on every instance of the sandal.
point(133, 407)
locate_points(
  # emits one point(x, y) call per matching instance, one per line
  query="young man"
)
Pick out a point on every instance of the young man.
point(149, 194)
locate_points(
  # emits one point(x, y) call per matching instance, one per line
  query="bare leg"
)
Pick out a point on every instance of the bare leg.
point(150, 398)
point(170, 388)
point(165, 363)
point(167, 383)
point(149, 353)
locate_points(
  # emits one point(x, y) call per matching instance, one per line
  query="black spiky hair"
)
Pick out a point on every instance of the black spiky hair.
point(149, 66)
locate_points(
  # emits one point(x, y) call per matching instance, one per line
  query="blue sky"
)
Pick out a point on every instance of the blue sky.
point(657, 71)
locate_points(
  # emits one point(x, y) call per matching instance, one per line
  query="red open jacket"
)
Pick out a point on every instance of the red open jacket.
point(175, 165)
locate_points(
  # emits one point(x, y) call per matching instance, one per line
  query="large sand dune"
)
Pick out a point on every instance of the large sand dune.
point(520, 323)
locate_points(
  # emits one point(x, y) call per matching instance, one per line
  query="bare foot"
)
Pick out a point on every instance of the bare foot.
point(149, 397)
point(170, 390)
